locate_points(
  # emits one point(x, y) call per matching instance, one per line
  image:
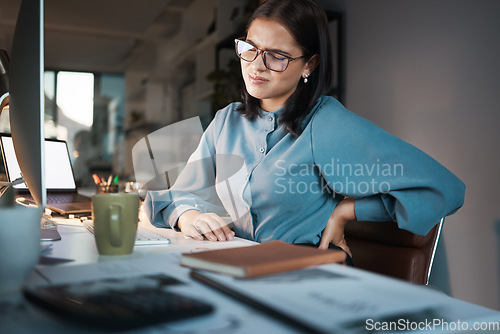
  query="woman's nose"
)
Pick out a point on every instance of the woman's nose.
point(258, 63)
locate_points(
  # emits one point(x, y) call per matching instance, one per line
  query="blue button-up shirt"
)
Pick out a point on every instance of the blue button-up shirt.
point(276, 186)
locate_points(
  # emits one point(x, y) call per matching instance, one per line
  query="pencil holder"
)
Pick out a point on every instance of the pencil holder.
point(106, 188)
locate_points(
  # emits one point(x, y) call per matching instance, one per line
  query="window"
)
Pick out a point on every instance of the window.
point(86, 110)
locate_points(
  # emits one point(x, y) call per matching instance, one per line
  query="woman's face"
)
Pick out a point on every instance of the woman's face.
point(272, 88)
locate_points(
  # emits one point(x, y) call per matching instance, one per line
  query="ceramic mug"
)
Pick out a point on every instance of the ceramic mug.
point(19, 245)
point(115, 217)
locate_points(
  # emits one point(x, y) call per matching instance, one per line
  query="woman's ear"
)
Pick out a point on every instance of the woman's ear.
point(312, 64)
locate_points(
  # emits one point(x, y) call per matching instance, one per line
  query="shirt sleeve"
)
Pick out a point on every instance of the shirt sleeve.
point(194, 188)
point(389, 178)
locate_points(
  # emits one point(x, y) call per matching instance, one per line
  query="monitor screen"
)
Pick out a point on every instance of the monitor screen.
point(58, 170)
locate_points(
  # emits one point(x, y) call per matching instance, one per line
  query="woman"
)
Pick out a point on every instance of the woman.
point(309, 166)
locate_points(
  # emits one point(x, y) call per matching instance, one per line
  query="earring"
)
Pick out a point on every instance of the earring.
point(305, 78)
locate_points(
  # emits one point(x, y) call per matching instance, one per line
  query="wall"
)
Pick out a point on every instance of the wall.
point(167, 80)
point(428, 71)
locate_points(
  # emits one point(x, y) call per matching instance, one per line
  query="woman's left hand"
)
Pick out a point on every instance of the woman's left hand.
point(334, 230)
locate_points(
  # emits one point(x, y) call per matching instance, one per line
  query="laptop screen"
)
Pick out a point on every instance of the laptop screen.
point(58, 170)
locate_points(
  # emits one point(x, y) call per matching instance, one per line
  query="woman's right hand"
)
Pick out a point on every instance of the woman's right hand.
point(198, 225)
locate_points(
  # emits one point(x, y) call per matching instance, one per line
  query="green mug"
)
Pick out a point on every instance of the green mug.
point(115, 217)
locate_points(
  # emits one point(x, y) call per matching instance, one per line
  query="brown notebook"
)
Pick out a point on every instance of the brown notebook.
point(264, 259)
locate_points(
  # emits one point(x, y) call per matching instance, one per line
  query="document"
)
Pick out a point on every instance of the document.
point(331, 298)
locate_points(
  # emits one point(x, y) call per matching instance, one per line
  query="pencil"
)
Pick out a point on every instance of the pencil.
point(96, 179)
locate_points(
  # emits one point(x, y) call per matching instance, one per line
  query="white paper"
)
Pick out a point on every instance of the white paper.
point(336, 298)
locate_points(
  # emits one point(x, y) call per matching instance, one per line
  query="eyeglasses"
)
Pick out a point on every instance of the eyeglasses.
point(272, 60)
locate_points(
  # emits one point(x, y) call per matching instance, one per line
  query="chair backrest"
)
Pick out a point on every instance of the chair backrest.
point(384, 248)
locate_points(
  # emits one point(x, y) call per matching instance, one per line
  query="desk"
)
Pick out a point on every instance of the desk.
point(230, 316)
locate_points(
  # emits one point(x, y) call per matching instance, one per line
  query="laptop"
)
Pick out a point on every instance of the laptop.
point(62, 192)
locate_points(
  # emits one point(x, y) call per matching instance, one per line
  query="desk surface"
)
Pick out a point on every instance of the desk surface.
point(231, 316)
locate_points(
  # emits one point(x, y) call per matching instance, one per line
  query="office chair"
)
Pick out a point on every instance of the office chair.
point(384, 248)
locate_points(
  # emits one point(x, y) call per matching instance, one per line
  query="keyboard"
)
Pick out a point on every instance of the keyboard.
point(61, 198)
point(67, 198)
point(145, 235)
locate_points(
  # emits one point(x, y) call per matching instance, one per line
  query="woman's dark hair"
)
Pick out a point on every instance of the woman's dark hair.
point(307, 23)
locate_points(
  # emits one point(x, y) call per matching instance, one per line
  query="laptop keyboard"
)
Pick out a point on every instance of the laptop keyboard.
point(61, 198)
point(66, 198)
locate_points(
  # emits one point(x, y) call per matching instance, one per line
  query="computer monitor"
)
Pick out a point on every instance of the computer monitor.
point(4, 80)
point(27, 97)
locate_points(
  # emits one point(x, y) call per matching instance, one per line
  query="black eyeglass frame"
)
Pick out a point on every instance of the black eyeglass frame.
point(264, 53)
